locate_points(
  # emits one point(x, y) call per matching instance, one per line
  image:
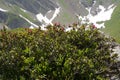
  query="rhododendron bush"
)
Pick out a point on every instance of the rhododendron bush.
point(56, 54)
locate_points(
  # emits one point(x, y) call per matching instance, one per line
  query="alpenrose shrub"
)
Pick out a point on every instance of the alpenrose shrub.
point(54, 54)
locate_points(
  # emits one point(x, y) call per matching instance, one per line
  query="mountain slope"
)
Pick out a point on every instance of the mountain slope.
point(110, 17)
point(113, 25)
point(12, 20)
point(27, 8)
point(68, 9)
point(32, 13)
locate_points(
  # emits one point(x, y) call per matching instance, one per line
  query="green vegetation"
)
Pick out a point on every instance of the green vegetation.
point(113, 25)
point(55, 54)
point(17, 10)
point(65, 17)
point(12, 20)
point(63, 3)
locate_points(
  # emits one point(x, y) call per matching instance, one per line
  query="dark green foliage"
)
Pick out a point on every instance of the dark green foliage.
point(55, 54)
point(12, 20)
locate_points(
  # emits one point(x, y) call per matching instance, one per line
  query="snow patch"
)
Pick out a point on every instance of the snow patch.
point(32, 24)
point(23, 10)
point(3, 10)
point(45, 21)
point(103, 15)
point(42, 18)
point(57, 10)
point(49, 11)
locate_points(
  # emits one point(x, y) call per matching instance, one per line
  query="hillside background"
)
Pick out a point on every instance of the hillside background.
point(34, 13)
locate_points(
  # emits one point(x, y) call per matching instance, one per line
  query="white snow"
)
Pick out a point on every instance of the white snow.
point(45, 20)
point(49, 11)
point(111, 6)
point(57, 10)
point(3, 10)
point(103, 15)
point(42, 18)
point(23, 10)
point(32, 24)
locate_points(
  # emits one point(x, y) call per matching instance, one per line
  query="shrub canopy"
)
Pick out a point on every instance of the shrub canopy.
point(54, 54)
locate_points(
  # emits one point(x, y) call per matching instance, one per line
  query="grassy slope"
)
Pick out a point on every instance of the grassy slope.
point(65, 16)
point(16, 10)
point(113, 25)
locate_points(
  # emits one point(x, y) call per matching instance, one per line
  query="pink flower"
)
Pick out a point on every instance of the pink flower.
point(93, 26)
point(57, 24)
